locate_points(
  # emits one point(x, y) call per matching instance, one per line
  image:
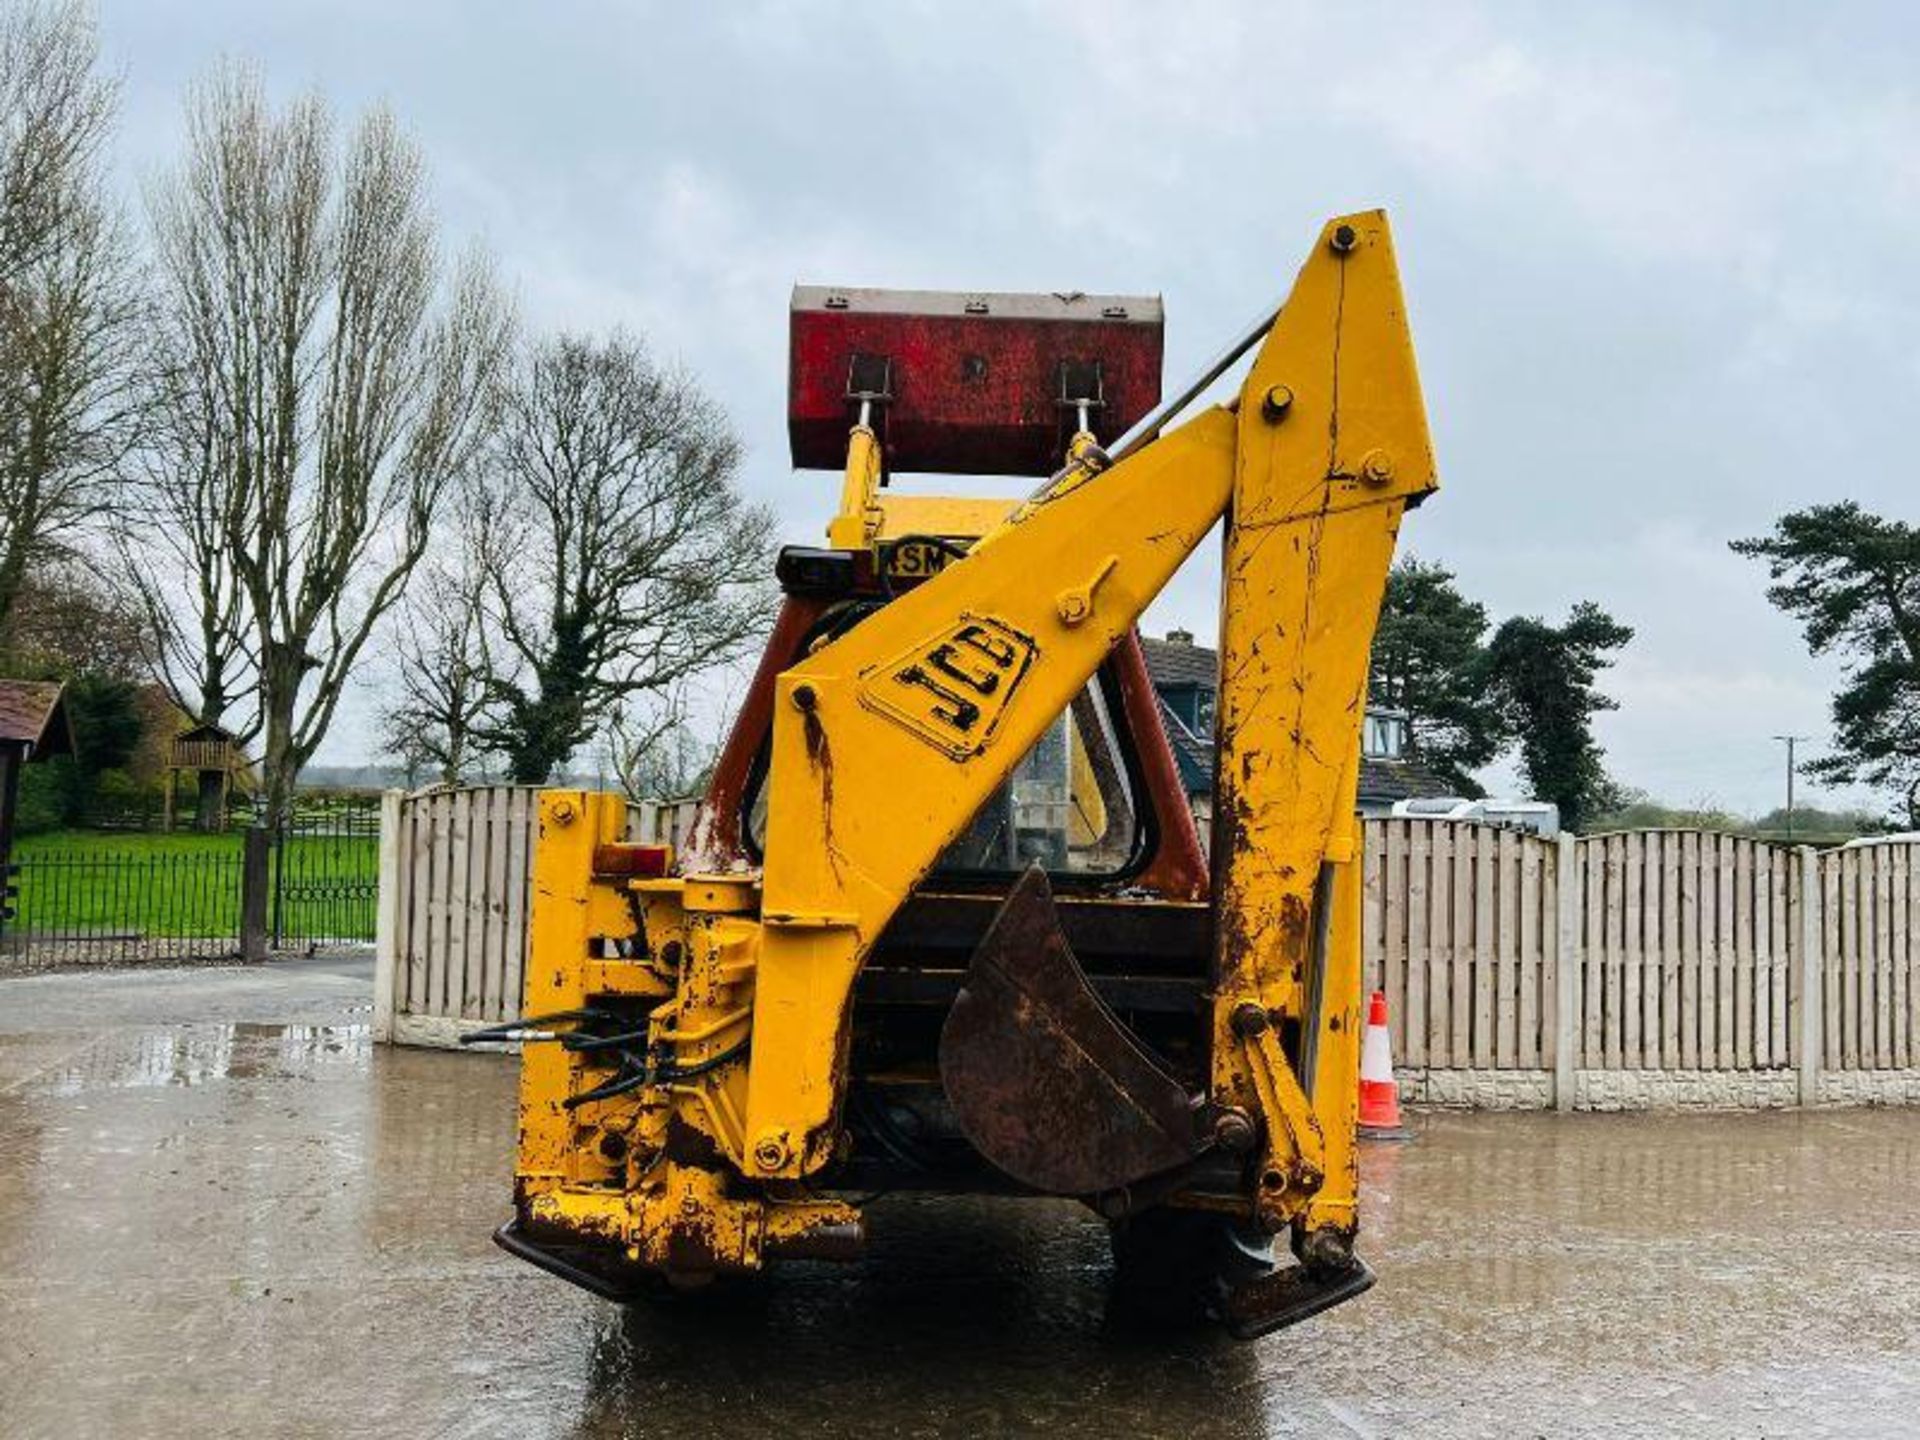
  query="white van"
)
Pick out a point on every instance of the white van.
point(1539, 817)
point(1901, 837)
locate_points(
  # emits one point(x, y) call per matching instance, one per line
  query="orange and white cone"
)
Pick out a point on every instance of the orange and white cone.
point(1379, 1091)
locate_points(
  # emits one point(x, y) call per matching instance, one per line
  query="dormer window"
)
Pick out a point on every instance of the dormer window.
point(1385, 736)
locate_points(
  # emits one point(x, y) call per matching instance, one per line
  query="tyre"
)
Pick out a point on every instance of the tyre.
point(1175, 1266)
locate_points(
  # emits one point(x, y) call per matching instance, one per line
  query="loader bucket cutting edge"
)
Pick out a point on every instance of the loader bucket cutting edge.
point(1046, 1082)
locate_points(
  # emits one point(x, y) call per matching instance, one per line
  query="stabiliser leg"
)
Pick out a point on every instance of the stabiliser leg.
point(580, 1265)
point(1290, 1295)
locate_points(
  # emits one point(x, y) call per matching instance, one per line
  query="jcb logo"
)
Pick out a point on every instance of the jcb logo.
point(952, 689)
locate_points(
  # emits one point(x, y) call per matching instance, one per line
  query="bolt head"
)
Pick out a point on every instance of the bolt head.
point(1233, 1130)
point(1344, 239)
point(1248, 1018)
point(804, 697)
point(562, 812)
point(1275, 404)
point(770, 1151)
point(1376, 468)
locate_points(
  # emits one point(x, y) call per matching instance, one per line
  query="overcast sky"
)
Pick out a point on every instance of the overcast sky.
point(1660, 259)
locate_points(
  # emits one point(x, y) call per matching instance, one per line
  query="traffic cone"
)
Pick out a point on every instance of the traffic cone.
point(1379, 1091)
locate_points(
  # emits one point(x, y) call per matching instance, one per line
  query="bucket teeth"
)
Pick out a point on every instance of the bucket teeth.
point(1046, 1082)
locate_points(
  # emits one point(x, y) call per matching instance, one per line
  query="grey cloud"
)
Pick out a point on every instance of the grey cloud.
point(1658, 259)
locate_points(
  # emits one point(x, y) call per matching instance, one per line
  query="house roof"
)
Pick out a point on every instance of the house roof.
point(1174, 663)
point(1381, 781)
point(1181, 662)
point(1385, 781)
point(1192, 756)
point(205, 732)
point(34, 716)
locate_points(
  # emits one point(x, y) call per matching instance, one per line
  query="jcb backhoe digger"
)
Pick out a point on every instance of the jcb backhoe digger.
point(944, 921)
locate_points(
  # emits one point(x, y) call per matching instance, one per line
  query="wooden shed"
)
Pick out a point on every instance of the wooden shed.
point(33, 726)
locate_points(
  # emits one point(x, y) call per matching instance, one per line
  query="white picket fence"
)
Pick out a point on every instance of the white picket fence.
point(1641, 968)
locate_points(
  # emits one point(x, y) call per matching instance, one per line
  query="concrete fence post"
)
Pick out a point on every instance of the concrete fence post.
point(386, 918)
point(1566, 973)
point(1812, 978)
point(255, 872)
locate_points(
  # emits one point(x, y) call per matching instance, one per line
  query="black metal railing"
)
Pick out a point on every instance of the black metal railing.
point(81, 908)
point(326, 873)
point(352, 812)
point(104, 897)
point(324, 892)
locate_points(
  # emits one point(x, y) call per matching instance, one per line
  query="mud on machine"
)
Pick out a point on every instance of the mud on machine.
point(943, 922)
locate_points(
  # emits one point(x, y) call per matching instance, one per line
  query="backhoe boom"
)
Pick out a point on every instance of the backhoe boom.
point(888, 737)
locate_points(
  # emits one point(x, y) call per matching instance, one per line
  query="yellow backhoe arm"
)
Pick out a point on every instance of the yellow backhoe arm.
point(887, 741)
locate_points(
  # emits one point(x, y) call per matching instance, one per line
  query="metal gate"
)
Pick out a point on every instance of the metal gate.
point(326, 873)
point(88, 905)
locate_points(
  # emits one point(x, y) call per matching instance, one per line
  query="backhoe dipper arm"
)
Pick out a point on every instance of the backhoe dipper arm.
point(888, 740)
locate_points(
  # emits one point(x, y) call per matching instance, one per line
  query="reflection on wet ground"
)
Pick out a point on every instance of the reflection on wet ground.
point(223, 1211)
point(196, 1054)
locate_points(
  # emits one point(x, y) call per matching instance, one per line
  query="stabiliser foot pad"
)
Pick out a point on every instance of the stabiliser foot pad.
point(576, 1264)
point(1285, 1297)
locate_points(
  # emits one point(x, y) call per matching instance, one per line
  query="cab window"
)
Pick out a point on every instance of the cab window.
point(1069, 804)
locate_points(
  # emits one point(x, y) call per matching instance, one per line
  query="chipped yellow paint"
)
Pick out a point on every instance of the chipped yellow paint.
point(861, 804)
point(1318, 494)
point(887, 740)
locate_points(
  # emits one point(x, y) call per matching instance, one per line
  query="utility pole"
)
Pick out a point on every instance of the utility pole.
point(1790, 741)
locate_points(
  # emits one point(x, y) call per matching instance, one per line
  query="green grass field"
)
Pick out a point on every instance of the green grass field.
point(183, 884)
point(115, 844)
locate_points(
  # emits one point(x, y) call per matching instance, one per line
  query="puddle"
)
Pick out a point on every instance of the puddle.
point(202, 1054)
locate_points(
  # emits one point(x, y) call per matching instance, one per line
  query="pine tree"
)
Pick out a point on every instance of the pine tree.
point(1543, 677)
point(1429, 660)
point(1852, 579)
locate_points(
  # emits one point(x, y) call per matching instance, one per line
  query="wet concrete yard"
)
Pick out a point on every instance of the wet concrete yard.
point(223, 1211)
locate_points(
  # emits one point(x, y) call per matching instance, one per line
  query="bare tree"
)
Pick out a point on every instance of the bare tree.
point(176, 561)
point(654, 750)
point(349, 378)
point(442, 657)
point(55, 112)
point(175, 541)
point(627, 558)
point(68, 301)
point(69, 622)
